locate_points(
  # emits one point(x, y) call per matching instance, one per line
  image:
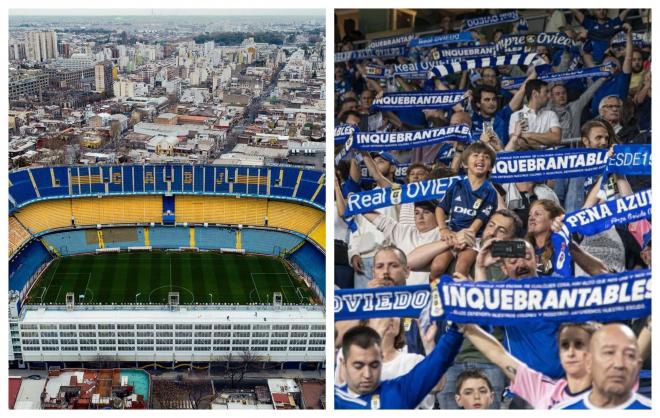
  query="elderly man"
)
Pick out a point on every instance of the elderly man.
point(363, 361)
point(614, 363)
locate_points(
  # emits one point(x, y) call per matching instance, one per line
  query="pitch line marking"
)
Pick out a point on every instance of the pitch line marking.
point(58, 294)
point(255, 286)
point(59, 261)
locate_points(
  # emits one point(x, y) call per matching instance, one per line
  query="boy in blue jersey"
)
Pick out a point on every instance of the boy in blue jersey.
point(614, 363)
point(363, 362)
point(468, 204)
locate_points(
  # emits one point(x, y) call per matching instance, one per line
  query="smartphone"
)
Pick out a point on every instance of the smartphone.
point(508, 249)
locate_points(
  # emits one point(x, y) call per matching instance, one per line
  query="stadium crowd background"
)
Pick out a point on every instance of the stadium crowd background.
point(509, 367)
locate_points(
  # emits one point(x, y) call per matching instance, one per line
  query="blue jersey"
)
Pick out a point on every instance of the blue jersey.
point(500, 123)
point(636, 401)
point(618, 85)
point(462, 205)
point(600, 33)
point(535, 344)
point(407, 391)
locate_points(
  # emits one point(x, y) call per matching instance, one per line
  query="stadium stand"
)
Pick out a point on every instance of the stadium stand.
point(220, 210)
point(318, 234)
point(18, 235)
point(168, 237)
point(46, 215)
point(294, 217)
point(267, 242)
point(39, 183)
point(213, 237)
point(312, 261)
point(25, 263)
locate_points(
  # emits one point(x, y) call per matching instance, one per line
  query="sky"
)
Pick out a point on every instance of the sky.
point(165, 12)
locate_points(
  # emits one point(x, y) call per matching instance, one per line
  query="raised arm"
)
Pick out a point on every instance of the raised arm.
point(578, 15)
point(492, 349)
point(587, 262)
point(422, 256)
point(381, 180)
point(626, 68)
point(419, 381)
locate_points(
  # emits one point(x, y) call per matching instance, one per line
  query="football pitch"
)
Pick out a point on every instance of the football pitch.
point(148, 277)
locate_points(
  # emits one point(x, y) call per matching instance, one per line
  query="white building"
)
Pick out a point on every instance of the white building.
point(188, 333)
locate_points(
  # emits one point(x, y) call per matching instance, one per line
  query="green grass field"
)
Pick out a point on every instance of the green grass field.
point(198, 277)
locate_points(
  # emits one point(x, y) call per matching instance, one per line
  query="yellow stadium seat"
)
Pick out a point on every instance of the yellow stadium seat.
point(17, 235)
point(220, 209)
point(318, 234)
point(45, 215)
point(293, 216)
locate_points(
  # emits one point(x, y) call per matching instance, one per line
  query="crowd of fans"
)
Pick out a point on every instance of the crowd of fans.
point(395, 362)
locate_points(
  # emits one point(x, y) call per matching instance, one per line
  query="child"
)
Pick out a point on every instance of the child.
point(473, 390)
point(468, 203)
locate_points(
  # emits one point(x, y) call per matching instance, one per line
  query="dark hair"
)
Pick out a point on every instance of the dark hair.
point(345, 115)
point(532, 86)
point(517, 222)
point(417, 165)
point(588, 327)
point(398, 251)
point(480, 91)
point(479, 147)
point(601, 123)
point(471, 374)
point(362, 336)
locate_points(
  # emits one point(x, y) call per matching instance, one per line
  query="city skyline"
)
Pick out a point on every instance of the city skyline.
point(167, 11)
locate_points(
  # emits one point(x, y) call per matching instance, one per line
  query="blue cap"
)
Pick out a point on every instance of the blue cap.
point(647, 239)
point(386, 156)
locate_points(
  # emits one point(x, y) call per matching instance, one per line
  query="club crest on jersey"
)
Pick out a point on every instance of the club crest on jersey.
point(375, 401)
point(477, 203)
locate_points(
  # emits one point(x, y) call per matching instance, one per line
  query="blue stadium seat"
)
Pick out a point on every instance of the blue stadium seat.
point(215, 238)
point(21, 188)
point(162, 178)
point(69, 243)
point(25, 263)
point(267, 242)
point(169, 237)
point(312, 261)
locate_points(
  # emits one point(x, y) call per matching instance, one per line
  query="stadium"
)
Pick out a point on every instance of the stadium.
point(144, 264)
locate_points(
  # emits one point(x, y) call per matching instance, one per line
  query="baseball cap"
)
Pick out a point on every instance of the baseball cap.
point(386, 156)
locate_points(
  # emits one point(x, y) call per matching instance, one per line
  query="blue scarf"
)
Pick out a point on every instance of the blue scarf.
point(509, 83)
point(633, 160)
point(603, 298)
point(467, 52)
point(379, 141)
point(457, 67)
point(521, 42)
point(378, 72)
point(596, 219)
point(640, 40)
point(448, 38)
point(343, 132)
point(408, 193)
point(490, 20)
point(370, 53)
point(400, 40)
point(419, 100)
point(571, 162)
point(511, 167)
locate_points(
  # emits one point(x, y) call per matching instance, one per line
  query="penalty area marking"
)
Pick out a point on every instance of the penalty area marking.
point(255, 285)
